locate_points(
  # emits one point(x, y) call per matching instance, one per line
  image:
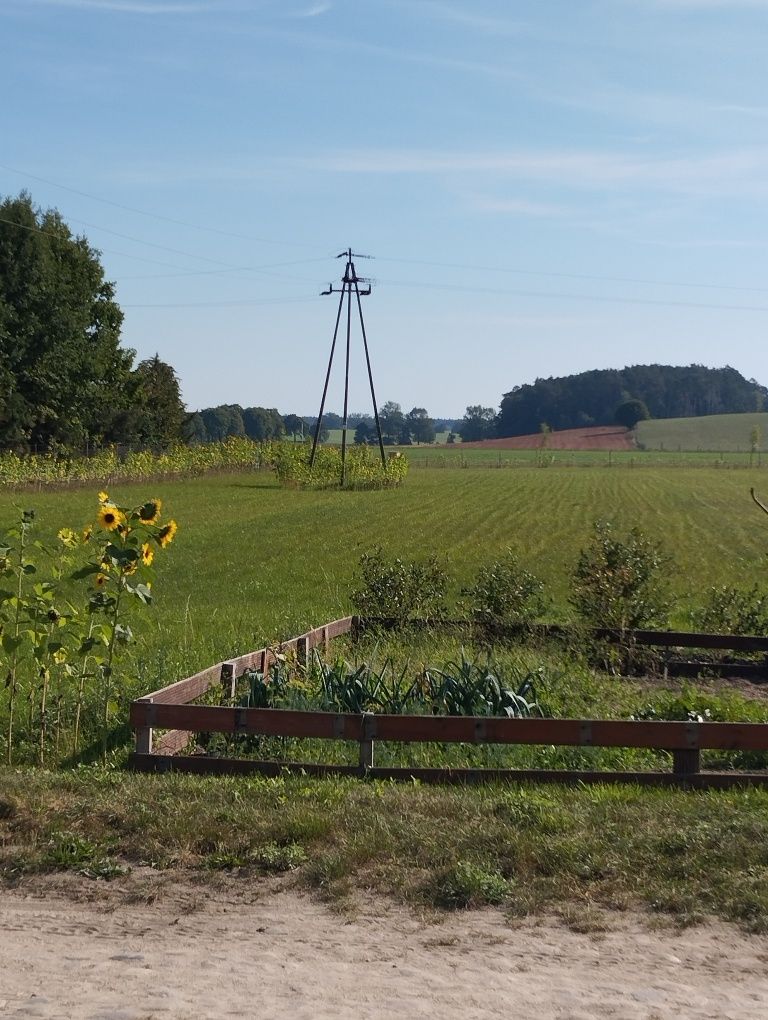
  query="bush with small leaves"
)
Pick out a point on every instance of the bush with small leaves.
point(732, 610)
point(505, 595)
point(621, 582)
point(400, 590)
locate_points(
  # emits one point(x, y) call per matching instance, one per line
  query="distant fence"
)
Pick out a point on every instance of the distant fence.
point(169, 709)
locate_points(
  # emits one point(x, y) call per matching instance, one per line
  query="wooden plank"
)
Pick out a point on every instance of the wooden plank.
point(269, 721)
point(684, 639)
point(202, 765)
point(172, 742)
point(454, 729)
point(669, 639)
point(144, 737)
point(339, 627)
point(565, 732)
point(188, 689)
point(251, 660)
point(302, 649)
point(755, 671)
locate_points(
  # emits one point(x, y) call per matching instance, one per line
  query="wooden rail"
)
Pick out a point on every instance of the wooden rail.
point(665, 639)
point(226, 674)
point(168, 709)
point(684, 740)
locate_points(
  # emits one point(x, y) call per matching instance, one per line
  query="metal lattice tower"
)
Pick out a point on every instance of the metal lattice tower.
point(350, 282)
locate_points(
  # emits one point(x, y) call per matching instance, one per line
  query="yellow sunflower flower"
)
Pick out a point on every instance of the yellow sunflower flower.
point(109, 517)
point(147, 554)
point(103, 497)
point(100, 580)
point(149, 512)
point(130, 568)
point(87, 533)
point(166, 534)
point(67, 537)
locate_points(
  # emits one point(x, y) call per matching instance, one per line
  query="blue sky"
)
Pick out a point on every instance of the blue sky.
point(547, 187)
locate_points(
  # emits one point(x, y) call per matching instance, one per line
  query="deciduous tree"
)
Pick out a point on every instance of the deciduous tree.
point(478, 423)
point(65, 379)
point(421, 426)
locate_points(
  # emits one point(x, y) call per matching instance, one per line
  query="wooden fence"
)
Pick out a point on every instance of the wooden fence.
point(169, 709)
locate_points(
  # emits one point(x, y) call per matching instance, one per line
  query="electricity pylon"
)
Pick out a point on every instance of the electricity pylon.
point(349, 282)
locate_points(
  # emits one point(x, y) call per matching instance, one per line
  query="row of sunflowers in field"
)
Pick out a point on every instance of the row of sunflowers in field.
point(110, 466)
point(65, 629)
point(290, 461)
point(363, 468)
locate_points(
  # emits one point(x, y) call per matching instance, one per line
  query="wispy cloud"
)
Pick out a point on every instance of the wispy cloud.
point(467, 18)
point(135, 6)
point(313, 11)
point(747, 111)
point(727, 172)
point(703, 4)
point(515, 206)
point(397, 54)
point(737, 173)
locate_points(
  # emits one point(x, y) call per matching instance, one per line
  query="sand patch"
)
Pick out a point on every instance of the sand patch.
point(214, 952)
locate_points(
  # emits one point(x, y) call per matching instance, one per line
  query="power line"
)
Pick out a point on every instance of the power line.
point(221, 272)
point(156, 216)
point(229, 267)
point(573, 276)
point(222, 304)
point(576, 297)
point(169, 265)
point(109, 251)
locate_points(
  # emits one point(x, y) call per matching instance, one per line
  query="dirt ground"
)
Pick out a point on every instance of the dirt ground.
point(171, 949)
point(596, 437)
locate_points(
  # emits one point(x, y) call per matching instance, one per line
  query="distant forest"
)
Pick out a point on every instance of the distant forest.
point(215, 423)
point(592, 398)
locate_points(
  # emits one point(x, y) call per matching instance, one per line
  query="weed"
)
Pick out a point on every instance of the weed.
point(467, 884)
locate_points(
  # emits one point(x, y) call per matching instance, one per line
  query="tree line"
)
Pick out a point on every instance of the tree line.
point(260, 423)
point(65, 381)
point(592, 398)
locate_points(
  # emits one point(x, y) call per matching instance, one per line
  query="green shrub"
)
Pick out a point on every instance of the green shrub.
point(621, 583)
point(505, 594)
point(399, 590)
point(732, 610)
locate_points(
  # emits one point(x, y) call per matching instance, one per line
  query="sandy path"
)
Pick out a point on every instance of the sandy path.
point(284, 955)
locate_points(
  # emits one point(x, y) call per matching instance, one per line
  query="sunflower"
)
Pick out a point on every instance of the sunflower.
point(165, 535)
point(67, 537)
point(130, 567)
point(100, 580)
point(87, 533)
point(109, 517)
point(103, 497)
point(147, 555)
point(149, 512)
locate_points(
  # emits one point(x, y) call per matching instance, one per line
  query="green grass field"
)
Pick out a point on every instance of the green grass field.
point(254, 563)
point(456, 456)
point(712, 433)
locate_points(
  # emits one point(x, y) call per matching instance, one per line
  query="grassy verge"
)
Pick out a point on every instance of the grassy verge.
point(685, 855)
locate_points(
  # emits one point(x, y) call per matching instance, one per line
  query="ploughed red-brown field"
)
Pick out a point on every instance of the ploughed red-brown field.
point(597, 437)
